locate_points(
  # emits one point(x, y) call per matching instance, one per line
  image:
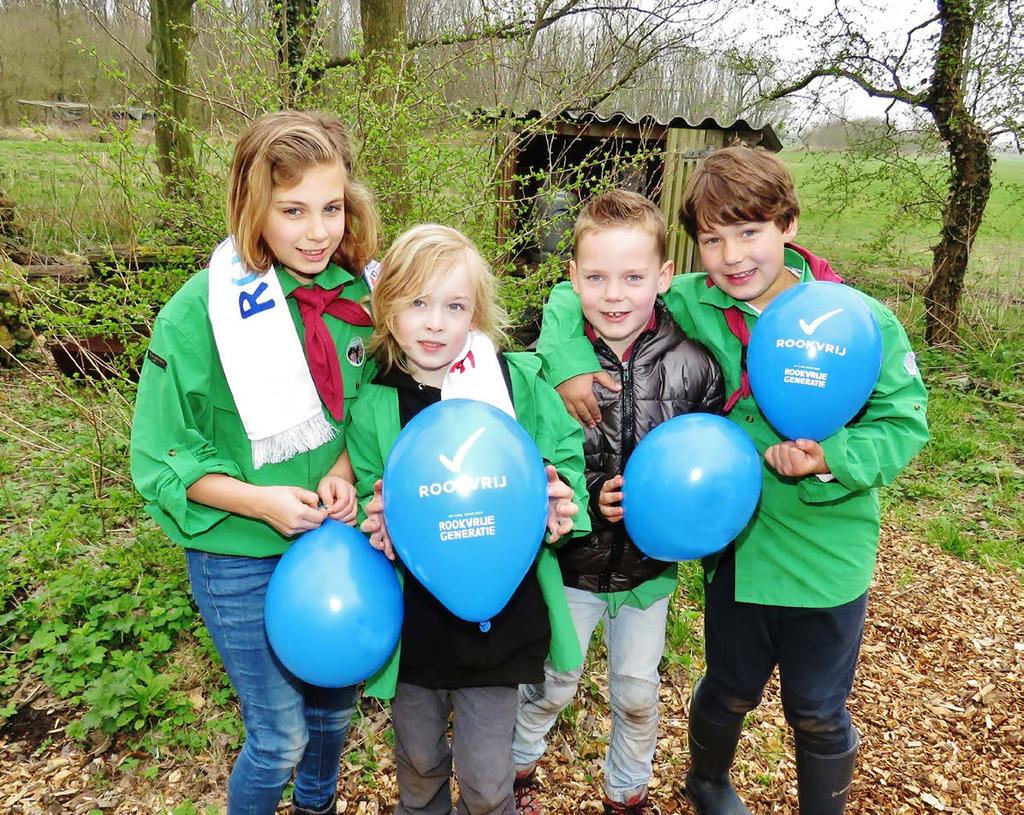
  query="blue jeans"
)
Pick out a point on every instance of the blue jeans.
point(289, 725)
point(635, 639)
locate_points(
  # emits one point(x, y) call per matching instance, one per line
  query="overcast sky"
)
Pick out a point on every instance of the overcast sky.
point(879, 21)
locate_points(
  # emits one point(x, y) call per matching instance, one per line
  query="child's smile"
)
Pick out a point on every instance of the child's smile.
point(745, 260)
point(306, 221)
point(618, 273)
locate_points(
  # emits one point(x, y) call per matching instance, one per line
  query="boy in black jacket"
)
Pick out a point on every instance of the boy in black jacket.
point(655, 372)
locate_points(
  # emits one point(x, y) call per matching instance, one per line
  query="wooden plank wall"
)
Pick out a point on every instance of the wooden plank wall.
point(683, 150)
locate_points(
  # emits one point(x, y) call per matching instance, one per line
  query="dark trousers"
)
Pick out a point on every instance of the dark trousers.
point(816, 650)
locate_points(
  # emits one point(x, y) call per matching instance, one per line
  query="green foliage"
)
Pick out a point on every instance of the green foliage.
point(93, 600)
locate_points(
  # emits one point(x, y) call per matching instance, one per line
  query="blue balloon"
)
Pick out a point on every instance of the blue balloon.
point(813, 359)
point(465, 502)
point(690, 487)
point(333, 609)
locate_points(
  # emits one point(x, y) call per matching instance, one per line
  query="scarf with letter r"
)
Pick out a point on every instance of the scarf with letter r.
point(266, 370)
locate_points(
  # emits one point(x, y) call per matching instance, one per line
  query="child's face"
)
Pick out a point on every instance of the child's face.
point(746, 260)
point(306, 221)
point(618, 274)
point(432, 329)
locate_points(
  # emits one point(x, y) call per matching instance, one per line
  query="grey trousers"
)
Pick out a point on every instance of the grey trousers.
point(481, 746)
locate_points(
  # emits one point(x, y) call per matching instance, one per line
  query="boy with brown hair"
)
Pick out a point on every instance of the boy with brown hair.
point(618, 271)
point(791, 590)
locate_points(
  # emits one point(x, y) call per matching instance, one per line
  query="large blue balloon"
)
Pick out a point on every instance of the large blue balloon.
point(333, 609)
point(465, 501)
point(813, 359)
point(690, 487)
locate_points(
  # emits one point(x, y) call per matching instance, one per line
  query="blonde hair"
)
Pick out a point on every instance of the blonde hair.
point(276, 150)
point(738, 184)
point(417, 259)
point(621, 208)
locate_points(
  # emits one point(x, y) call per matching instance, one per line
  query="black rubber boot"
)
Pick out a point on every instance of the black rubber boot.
point(712, 749)
point(331, 808)
point(824, 781)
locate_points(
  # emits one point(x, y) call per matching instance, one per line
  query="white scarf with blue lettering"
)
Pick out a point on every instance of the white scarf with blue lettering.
point(263, 361)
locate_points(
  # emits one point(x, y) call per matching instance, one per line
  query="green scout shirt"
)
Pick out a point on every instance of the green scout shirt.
point(810, 543)
point(643, 596)
point(186, 424)
point(375, 426)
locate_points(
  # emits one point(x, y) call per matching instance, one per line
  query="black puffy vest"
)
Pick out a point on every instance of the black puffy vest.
point(666, 375)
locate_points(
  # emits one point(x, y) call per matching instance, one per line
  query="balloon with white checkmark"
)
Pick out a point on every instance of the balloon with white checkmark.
point(814, 358)
point(465, 502)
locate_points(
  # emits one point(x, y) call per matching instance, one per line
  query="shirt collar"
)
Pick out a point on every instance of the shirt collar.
point(652, 323)
point(330, 278)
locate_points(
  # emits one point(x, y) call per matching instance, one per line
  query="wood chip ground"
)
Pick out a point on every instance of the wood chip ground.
point(939, 700)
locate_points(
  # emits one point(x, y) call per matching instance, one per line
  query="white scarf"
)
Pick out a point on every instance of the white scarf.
point(263, 360)
point(476, 374)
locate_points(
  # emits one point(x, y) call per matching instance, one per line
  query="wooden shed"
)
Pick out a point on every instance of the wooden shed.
point(549, 164)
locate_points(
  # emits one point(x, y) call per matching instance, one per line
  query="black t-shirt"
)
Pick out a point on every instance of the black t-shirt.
point(440, 650)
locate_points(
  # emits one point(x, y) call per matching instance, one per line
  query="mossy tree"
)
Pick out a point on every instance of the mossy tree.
point(962, 67)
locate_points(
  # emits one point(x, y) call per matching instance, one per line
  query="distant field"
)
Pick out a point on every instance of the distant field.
point(67, 193)
point(997, 261)
point(72, 194)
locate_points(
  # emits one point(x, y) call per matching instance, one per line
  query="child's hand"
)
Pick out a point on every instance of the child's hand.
point(339, 498)
point(560, 506)
point(374, 525)
point(290, 510)
point(578, 394)
point(796, 458)
point(609, 500)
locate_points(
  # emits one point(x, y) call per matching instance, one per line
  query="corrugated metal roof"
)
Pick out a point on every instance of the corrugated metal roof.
point(619, 118)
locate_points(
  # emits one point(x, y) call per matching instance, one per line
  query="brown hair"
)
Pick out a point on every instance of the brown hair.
point(619, 208)
point(411, 267)
point(276, 150)
point(738, 184)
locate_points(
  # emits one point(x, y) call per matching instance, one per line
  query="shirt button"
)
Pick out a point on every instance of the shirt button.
point(917, 407)
point(172, 452)
point(750, 419)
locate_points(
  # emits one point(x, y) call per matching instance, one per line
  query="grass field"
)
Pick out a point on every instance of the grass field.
point(859, 234)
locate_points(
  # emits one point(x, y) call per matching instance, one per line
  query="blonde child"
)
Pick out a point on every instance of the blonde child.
point(237, 437)
point(437, 318)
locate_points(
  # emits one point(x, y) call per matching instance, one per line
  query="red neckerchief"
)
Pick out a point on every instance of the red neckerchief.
point(820, 270)
point(321, 353)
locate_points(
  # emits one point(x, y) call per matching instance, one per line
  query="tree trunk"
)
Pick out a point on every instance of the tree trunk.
point(384, 34)
point(971, 180)
point(172, 32)
point(296, 25)
point(969, 189)
point(384, 44)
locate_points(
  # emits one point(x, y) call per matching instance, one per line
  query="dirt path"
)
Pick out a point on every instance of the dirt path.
point(939, 699)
